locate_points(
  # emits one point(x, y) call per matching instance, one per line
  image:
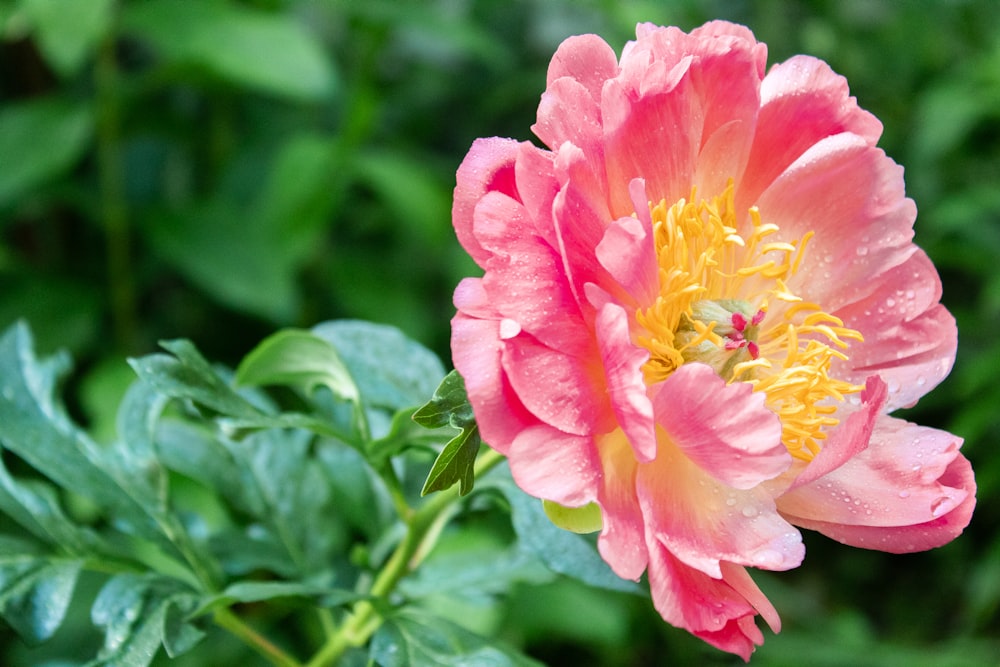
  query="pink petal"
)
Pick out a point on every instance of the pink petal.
point(568, 114)
point(724, 429)
point(556, 466)
point(476, 350)
point(625, 384)
point(621, 542)
point(702, 522)
point(909, 477)
point(850, 437)
point(584, 58)
point(851, 195)
point(627, 252)
point(918, 537)
point(910, 339)
point(563, 391)
point(524, 275)
point(708, 607)
point(805, 94)
point(489, 166)
point(581, 216)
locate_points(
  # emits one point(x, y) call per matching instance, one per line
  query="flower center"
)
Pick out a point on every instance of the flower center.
point(723, 301)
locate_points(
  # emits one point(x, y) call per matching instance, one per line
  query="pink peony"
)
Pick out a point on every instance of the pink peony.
point(699, 307)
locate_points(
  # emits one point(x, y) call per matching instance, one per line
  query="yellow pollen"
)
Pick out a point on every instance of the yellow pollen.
point(716, 284)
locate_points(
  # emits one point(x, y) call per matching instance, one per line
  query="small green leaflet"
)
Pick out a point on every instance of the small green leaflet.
point(450, 407)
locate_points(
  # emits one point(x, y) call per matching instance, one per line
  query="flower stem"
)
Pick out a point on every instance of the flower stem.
point(364, 618)
point(226, 619)
point(114, 210)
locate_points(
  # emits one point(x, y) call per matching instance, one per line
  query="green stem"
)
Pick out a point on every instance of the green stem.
point(364, 618)
point(114, 211)
point(226, 619)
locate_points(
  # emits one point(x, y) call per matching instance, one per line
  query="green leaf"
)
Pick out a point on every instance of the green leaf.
point(188, 375)
point(135, 612)
point(415, 639)
point(68, 32)
point(35, 506)
point(564, 552)
point(391, 370)
point(269, 52)
point(455, 464)
point(403, 432)
point(260, 591)
point(35, 593)
point(298, 358)
point(40, 140)
point(448, 407)
point(231, 254)
point(36, 428)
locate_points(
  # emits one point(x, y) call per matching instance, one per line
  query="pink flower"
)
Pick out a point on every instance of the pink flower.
point(699, 307)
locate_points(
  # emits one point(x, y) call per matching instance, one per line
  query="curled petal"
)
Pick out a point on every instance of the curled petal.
point(708, 607)
point(488, 167)
point(910, 490)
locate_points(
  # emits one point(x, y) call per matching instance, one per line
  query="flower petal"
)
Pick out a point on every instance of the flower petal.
point(910, 339)
point(803, 93)
point(621, 542)
point(851, 195)
point(556, 466)
point(708, 607)
point(725, 429)
point(488, 167)
point(626, 387)
point(910, 477)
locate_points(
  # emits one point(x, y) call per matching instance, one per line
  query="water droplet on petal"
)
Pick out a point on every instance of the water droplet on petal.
point(749, 511)
point(862, 251)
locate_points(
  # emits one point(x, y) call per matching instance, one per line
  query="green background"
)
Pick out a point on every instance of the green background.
point(216, 170)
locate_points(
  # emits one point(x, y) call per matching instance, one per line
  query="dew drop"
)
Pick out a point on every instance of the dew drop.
point(910, 294)
point(904, 494)
point(862, 251)
point(921, 380)
point(890, 302)
point(749, 511)
point(730, 501)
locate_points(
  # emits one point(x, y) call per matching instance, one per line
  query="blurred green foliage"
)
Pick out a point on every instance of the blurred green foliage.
point(217, 169)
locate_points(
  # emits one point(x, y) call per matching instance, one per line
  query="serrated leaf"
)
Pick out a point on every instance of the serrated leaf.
point(416, 639)
point(391, 370)
point(188, 375)
point(134, 611)
point(35, 506)
point(35, 593)
point(455, 464)
point(35, 427)
point(449, 405)
point(564, 552)
point(299, 358)
point(267, 51)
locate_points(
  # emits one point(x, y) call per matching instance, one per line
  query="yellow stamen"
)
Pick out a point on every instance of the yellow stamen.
point(704, 258)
